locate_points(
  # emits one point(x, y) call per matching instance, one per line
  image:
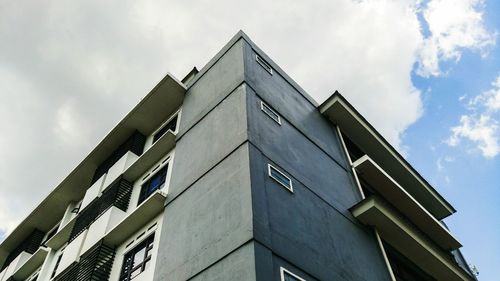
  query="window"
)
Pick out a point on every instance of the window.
point(137, 260)
point(288, 276)
point(280, 177)
point(271, 113)
point(154, 183)
point(171, 125)
point(264, 64)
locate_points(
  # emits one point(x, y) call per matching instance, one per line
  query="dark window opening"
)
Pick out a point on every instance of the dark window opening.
point(154, 183)
point(137, 260)
point(354, 151)
point(170, 126)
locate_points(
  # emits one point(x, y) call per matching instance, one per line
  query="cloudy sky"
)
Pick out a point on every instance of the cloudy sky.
point(424, 73)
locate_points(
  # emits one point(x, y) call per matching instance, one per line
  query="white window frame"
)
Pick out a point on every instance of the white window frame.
point(269, 112)
point(269, 167)
point(149, 140)
point(264, 64)
point(284, 270)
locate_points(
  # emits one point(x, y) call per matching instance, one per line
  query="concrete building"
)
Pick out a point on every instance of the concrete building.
point(235, 173)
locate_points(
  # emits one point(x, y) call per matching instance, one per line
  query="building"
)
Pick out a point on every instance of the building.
point(235, 173)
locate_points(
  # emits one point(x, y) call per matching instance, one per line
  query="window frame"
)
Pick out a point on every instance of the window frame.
point(147, 244)
point(270, 167)
point(164, 164)
point(264, 64)
point(270, 112)
point(284, 270)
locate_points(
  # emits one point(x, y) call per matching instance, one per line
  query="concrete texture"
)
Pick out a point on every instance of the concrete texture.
point(225, 219)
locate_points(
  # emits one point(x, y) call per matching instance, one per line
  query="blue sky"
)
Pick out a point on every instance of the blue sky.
point(421, 72)
point(468, 179)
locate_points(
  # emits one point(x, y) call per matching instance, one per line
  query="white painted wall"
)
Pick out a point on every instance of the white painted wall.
point(93, 192)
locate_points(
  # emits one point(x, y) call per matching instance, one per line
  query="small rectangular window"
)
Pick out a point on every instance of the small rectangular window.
point(286, 275)
point(280, 177)
point(270, 112)
point(264, 64)
point(137, 260)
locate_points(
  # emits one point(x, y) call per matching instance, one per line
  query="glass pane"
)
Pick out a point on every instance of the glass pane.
point(280, 178)
point(139, 257)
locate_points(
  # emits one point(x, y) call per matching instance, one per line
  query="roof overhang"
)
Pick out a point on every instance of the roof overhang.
point(161, 102)
point(351, 123)
point(407, 240)
point(388, 188)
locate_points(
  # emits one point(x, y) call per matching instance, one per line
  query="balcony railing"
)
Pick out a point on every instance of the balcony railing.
point(94, 265)
point(117, 194)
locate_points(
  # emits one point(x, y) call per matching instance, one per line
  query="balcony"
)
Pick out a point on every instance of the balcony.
point(352, 124)
point(151, 156)
point(31, 264)
point(143, 214)
point(397, 196)
point(407, 239)
point(95, 264)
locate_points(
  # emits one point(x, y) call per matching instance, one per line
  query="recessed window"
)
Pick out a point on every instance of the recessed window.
point(280, 177)
point(286, 275)
point(264, 64)
point(270, 112)
point(154, 183)
point(137, 260)
point(171, 125)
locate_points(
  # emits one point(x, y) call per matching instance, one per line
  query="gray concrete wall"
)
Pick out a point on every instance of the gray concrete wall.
point(208, 213)
point(225, 218)
point(311, 230)
point(239, 265)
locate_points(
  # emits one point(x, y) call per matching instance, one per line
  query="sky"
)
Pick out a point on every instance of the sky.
point(426, 74)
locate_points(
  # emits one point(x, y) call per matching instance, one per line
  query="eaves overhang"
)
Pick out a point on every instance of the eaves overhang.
point(408, 240)
point(393, 193)
point(161, 102)
point(342, 113)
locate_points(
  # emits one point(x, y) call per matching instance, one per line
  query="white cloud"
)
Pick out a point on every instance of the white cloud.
point(481, 125)
point(70, 70)
point(454, 25)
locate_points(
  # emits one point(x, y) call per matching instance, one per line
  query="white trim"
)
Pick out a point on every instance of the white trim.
point(386, 259)
point(264, 64)
point(356, 179)
point(282, 274)
point(269, 167)
point(264, 106)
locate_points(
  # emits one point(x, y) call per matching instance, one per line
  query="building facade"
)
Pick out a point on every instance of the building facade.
point(235, 173)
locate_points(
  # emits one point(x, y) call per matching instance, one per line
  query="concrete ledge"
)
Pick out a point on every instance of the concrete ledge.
point(387, 187)
point(407, 240)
